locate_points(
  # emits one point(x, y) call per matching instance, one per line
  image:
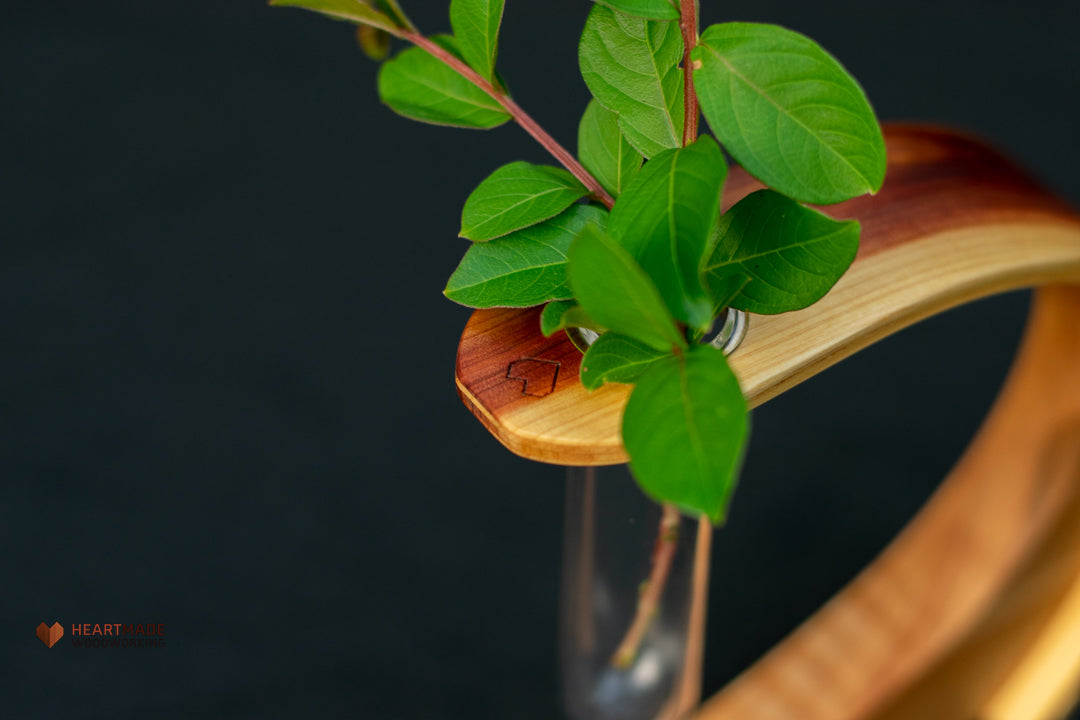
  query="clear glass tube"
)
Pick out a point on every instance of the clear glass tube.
point(612, 539)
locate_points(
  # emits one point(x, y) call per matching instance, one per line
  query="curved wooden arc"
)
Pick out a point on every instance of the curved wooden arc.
point(970, 612)
point(936, 624)
point(953, 223)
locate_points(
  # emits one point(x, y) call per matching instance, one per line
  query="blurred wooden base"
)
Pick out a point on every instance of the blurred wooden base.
point(974, 610)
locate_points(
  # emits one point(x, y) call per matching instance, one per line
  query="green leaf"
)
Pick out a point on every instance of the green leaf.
point(355, 11)
point(684, 428)
point(420, 87)
point(664, 219)
point(789, 112)
point(516, 196)
point(563, 314)
point(724, 289)
point(392, 9)
point(616, 358)
point(617, 293)
point(648, 9)
point(476, 27)
point(632, 67)
point(374, 42)
point(604, 151)
point(450, 44)
point(522, 269)
point(793, 255)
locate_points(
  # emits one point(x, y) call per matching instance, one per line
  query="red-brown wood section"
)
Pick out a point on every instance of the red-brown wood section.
point(936, 181)
point(495, 351)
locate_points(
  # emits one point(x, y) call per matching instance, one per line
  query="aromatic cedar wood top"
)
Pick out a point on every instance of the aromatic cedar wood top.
point(954, 221)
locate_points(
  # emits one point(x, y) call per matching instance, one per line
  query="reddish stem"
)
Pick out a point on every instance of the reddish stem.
point(688, 24)
point(649, 600)
point(523, 119)
point(667, 541)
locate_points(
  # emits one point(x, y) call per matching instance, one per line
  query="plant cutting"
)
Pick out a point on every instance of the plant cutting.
point(303, 348)
point(625, 238)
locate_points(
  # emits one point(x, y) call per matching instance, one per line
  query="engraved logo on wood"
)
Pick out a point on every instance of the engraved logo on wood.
point(538, 376)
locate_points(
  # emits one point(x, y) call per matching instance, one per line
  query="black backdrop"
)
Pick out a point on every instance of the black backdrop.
point(226, 399)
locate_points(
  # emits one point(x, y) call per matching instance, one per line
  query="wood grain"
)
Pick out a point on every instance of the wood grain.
point(954, 222)
point(974, 610)
point(935, 625)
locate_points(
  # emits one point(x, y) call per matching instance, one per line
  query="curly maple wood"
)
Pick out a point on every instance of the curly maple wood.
point(970, 611)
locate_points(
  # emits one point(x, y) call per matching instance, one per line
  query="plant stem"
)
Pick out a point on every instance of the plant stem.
point(649, 599)
point(523, 119)
point(688, 24)
point(668, 539)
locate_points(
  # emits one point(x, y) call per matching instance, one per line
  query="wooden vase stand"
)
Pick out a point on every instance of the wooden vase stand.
point(973, 610)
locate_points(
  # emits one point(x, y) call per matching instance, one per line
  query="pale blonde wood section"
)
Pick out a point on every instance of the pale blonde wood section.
point(1045, 682)
point(939, 622)
point(896, 288)
point(879, 295)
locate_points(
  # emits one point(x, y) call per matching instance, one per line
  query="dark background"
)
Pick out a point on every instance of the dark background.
point(226, 398)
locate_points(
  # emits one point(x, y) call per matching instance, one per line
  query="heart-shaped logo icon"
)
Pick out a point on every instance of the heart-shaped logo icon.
point(50, 635)
point(538, 376)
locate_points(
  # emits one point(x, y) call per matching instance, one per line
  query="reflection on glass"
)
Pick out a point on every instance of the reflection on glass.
point(612, 537)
